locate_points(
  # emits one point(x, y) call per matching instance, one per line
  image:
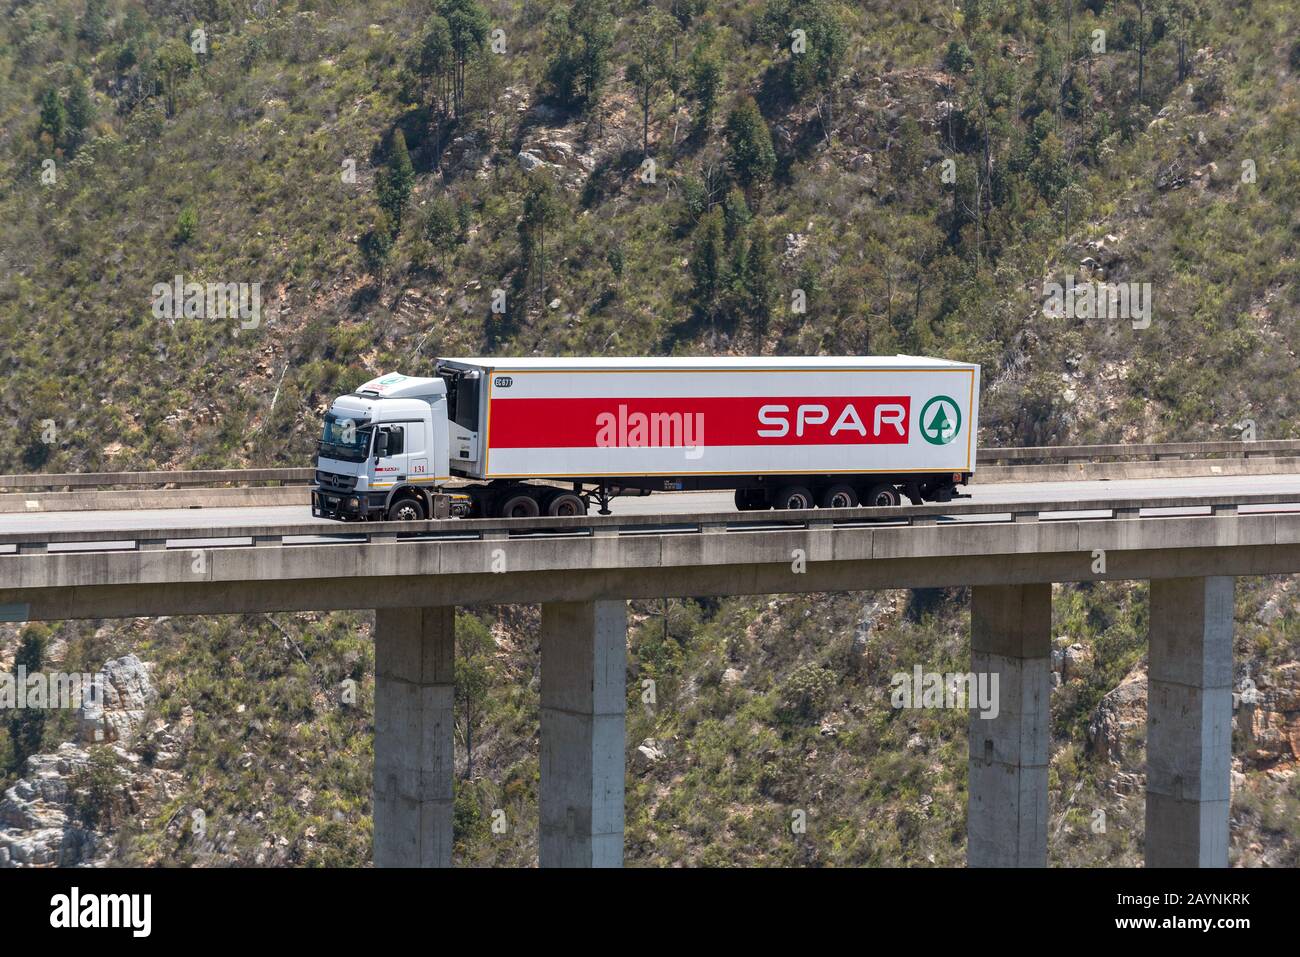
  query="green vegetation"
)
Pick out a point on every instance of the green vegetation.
point(914, 201)
point(829, 178)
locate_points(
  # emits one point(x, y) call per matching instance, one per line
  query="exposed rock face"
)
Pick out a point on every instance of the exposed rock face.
point(1075, 661)
point(1118, 725)
point(465, 154)
point(648, 754)
point(128, 694)
point(1069, 660)
point(39, 823)
point(36, 826)
point(1270, 717)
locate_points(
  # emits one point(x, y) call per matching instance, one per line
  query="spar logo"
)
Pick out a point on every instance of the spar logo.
point(940, 420)
point(887, 418)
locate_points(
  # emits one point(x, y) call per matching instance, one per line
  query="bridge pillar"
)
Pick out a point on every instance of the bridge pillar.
point(414, 742)
point(584, 704)
point(1006, 809)
point(1189, 722)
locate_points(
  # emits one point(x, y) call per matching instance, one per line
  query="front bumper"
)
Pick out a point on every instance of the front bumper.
point(341, 506)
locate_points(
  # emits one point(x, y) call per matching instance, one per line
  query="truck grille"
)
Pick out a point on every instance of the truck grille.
point(336, 483)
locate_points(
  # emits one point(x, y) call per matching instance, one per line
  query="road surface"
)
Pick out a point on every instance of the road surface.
point(663, 503)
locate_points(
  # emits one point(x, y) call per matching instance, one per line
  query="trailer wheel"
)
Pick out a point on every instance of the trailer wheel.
point(881, 496)
point(793, 497)
point(520, 504)
point(565, 505)
point(406, 510)
point(839, 496)
point(750, 499)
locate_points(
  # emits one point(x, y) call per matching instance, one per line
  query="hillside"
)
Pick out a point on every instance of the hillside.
point(634, 178)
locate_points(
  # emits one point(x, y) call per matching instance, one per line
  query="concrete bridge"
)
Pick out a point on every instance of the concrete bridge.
point(582, 570)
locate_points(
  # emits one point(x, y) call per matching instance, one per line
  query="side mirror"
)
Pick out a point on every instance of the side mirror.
point(381, 443)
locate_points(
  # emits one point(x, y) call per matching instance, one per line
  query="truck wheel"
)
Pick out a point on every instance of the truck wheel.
point(565, 505)
point(793, 496)
point(881, 496)
point(520, 505)
point(839, 496)
point(406, 510)
point(750, 499)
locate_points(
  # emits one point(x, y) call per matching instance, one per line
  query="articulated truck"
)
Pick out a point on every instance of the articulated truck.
point(517, 438)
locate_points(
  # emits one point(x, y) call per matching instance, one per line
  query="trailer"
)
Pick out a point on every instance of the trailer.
point(521, 437)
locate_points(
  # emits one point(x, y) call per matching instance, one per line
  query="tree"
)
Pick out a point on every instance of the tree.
point(909, 156)
point(474, 647)
point(708, 262)
point(958, 59)
point(736, 217)
point(396, 180)
point(542, 209)
point(1143, 35)
point(377, 244)
point(615, 259)
point(467, 26)
point(187, 224)
point(706, 80)
point(173, 63)
point(436, 62)
point(80, 111)
point(54, 117)
point(581, 39)
point(649, 67)
point(441, 224)
point(1049, 171)
point(686, 11)
point(750, 156)
point(1185, 15)
point(94, 24)
point(759, 278)
point(27, 725)
point(815, 63)
point(97, 790)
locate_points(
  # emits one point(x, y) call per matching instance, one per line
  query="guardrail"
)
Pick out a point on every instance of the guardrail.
point(1044, 454)
point(1048, 454)
point(178, 477)
point(38, 542)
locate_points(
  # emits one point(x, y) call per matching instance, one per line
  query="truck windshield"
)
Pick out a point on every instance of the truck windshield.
point(342, 439)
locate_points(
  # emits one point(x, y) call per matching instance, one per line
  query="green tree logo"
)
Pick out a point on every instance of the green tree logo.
point(940, 420)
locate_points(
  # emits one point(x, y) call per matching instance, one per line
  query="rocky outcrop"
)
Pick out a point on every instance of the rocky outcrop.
point(1070, 659)
point(647, 755)
point(128, 693)
point(41, 819)
point(1269, 715)
point(37, 823)
point(1117, 728)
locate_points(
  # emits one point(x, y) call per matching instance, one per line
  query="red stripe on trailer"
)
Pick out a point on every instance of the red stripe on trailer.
point(549, 423)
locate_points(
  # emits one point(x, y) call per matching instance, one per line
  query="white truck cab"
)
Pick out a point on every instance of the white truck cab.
point(384, 453)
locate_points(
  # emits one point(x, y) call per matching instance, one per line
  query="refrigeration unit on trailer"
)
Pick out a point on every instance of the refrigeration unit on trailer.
point(522, 437)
